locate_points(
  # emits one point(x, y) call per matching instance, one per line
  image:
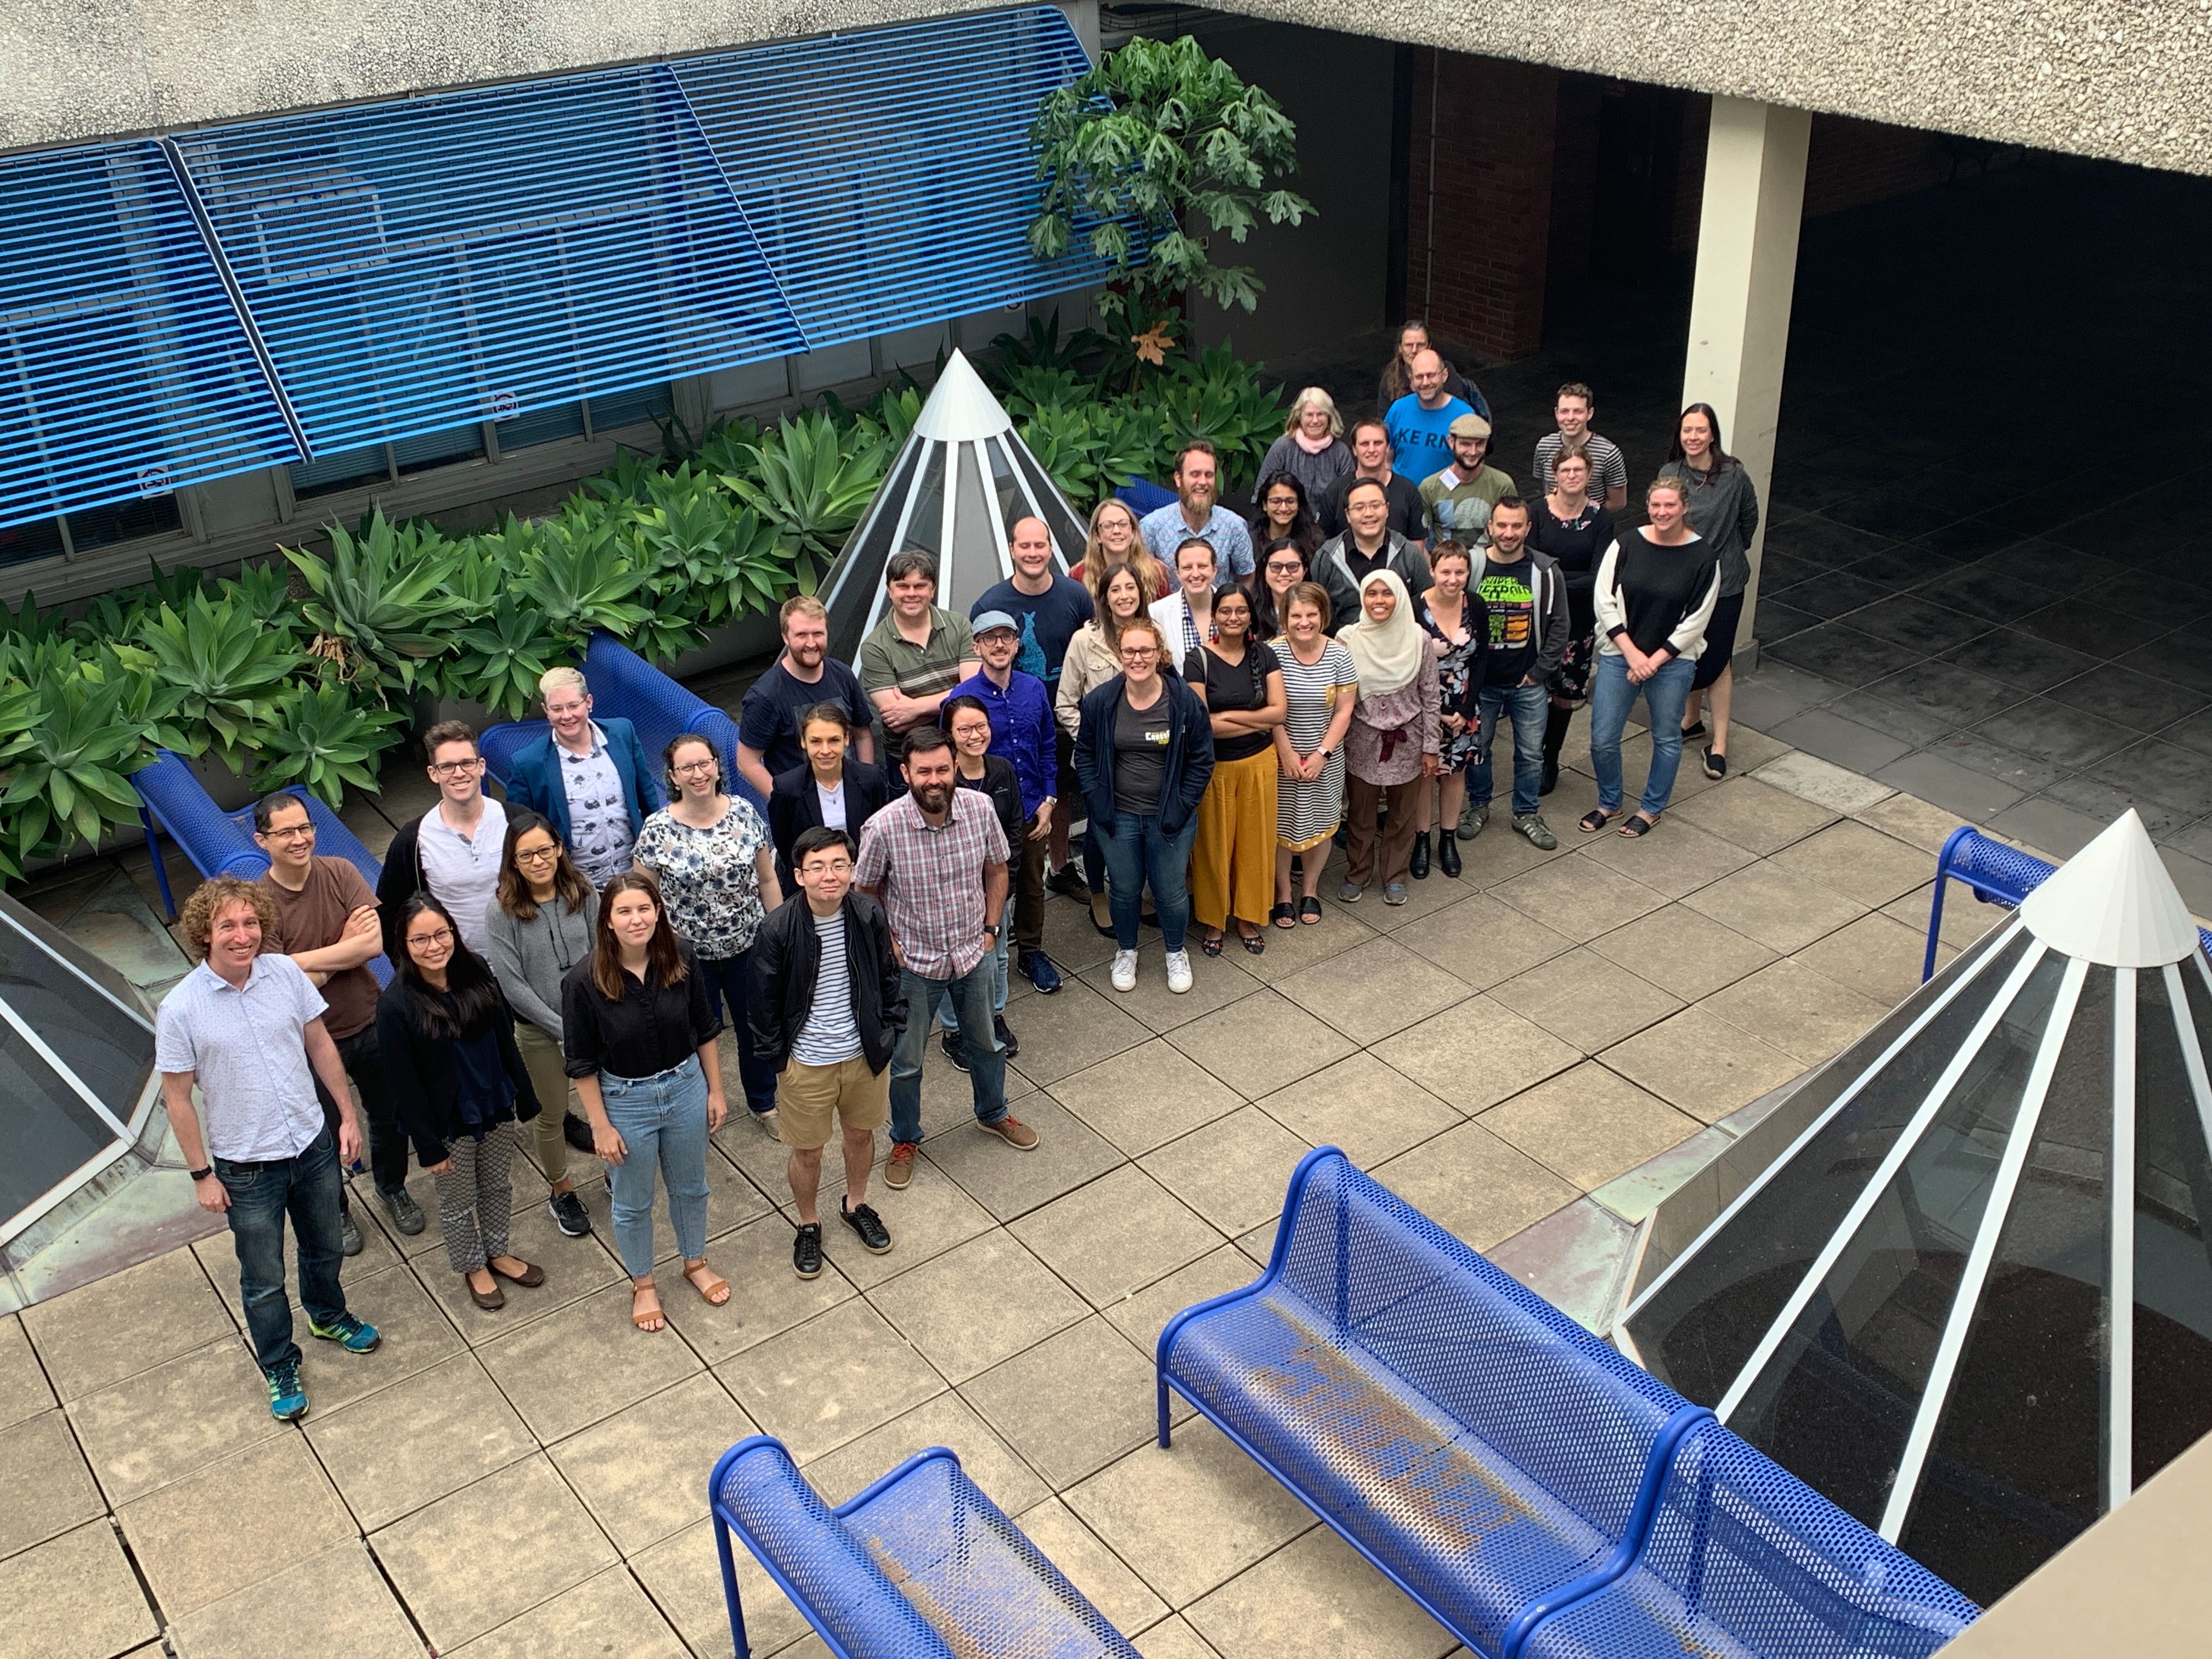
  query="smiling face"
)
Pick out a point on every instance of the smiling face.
point(289, 840)
point(631, 916)
point(1378, 601)
point(824, 742)
point(1313, 420)
point(1509, 529)
point(1117, 530)
point(930, 777)
point(458, 770)
point(1125, 594)
point(1467, 452)
point(805, 639)
point(1140, 655)
point(912, 595)
point(1573, 415)
point(1194, 568)
point(1031, 547)
point(1370, 447)
point(1303, 624)
point(1232, 614)
point(1281, 506)
point(998, 648)
point(1697, 434)
point(538, 856)
point(1285, 571)
point(971, 731)
point(1450, 572)
point(1367, 509)
point(697, 774)
point(568, 711)
point(429, 944)
point(1427, 373)
point(233, 939)
point(1664, 508)
point(1193, 481)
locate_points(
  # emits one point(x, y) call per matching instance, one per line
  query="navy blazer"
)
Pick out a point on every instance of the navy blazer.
point(793, 807)
point(534, 779)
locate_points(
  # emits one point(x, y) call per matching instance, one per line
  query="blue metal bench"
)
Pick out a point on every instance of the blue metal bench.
point(624, 686)
point(920, 1565)
point(1142, 495)
point(221, 843)
point(1744, 1561)
point(1489, 1456)
point(1995, 874)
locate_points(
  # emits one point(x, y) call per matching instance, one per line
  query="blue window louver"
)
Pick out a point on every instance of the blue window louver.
point(416, 267)
point(888, 175)
point(124, 368)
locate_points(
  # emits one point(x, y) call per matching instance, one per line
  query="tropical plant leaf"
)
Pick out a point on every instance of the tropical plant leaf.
point(380, 604)
point(808, 488)
point(324, 737)
point(223, 661)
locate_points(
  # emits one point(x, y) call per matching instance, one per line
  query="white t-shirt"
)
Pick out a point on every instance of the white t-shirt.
point(833, 805)
point(830, 1033)
point(462, 871)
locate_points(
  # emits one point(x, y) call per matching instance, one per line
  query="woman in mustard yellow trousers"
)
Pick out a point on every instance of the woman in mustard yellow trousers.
point(1232, 861)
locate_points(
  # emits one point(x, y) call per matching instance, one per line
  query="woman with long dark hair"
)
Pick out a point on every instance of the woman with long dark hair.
point(459, 1086)
point(1232, 861)
point(1453, 616)
point(639, 1028)
point(1723, 507)
point(538, 927)
point(832, 789)
point(1572, 530)
point(1119, 595)
point(1282, 565)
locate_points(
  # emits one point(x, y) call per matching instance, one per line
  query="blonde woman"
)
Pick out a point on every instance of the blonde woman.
point(1114, 540)
point(1093, 657)
point(1312, 449)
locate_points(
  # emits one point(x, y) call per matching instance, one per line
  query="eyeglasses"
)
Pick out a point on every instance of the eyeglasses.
point(1283, 566)
point(291, 832)
point(693, 769)
point(455, 768)
point(430, 941)
point(825, 866)
point(1139, 652)
point(536, 854)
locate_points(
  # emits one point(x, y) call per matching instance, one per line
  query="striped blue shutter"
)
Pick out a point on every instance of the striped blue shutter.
point(125, 369)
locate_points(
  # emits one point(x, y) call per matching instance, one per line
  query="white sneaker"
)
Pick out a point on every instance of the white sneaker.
point(1125, 970)
point(1178, 971)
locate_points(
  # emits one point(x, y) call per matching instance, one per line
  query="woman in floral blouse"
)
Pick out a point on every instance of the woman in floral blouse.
point(716, 867)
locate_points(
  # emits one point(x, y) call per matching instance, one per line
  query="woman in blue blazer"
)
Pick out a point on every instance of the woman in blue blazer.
point(534, 779)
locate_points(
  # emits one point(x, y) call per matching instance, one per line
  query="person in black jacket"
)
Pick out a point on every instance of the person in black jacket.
point(968, 723)
point(457, 1080)
point(827, 1013)
point(1144, 753)
point(832, 790)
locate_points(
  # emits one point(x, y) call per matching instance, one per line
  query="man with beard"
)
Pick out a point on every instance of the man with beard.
point(935, 859)
point(769, 723)
point(1195, 512)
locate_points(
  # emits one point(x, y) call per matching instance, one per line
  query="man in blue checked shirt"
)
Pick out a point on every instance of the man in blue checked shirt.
point(1024, 730)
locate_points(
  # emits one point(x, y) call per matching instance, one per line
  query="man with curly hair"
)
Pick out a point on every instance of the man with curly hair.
point(245, 1028)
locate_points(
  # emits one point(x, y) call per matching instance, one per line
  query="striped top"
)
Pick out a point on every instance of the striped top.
point(1608, 470)
point(830, 1033)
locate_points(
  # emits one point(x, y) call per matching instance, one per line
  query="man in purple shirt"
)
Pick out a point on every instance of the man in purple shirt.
point(1023, 730)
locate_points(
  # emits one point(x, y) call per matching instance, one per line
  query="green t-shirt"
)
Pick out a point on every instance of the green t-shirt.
point(890, 662)
point(1459, 508)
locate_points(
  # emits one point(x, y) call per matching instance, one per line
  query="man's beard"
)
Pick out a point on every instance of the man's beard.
point(932, 797)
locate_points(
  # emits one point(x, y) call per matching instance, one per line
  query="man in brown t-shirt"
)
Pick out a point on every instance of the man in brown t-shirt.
point(326, 922)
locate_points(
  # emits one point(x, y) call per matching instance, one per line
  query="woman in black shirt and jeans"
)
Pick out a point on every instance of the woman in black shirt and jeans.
point(968, 723)
point(638, 1026)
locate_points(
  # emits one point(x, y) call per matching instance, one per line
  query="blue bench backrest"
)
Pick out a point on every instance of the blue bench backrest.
point(2001, 874)
point(1141, 496)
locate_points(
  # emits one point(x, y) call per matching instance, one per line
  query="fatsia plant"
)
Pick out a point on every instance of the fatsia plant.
point(225, 663)
point(324, 737)
point(809, 489)
point(380, 605)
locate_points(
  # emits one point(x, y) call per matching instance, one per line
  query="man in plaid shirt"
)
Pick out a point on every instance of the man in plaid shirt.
point(935, 859)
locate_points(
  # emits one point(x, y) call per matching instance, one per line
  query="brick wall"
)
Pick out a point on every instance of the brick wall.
point(1482, 282)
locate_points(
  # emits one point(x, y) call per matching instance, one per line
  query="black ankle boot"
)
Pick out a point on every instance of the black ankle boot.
point(1555, 740)
point(1418, 868)
point(1448, 853)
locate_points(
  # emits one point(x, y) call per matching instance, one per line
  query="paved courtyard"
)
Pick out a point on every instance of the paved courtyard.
point(1509, 1051)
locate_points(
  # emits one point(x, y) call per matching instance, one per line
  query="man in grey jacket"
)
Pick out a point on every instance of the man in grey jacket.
point(1367, 546)
point(1526, 598)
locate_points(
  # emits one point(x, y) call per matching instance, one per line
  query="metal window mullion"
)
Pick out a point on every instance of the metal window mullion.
point(689, 115)
point(61, 1069)
point(2119, 1374)
point(2018, 1144)
point(21, 1221)
point(1939, 1092)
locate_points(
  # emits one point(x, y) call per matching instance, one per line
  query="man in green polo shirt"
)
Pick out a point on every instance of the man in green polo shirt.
point(916, 654)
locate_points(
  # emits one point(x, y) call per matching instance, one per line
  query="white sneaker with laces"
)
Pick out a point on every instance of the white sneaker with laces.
point(1125, 970)
point(1178, 971)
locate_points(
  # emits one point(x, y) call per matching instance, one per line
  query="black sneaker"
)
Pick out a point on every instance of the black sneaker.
point(576, 1132)
point(1550, 779)
point(874, 1235)
point(349, 1232)
point(1007, 1040)
point(1068, 882)
point(806, 1250)
point(568, 1215)
point(955, 1049)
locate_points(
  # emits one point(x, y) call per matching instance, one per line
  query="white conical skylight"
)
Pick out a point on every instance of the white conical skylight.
point(2112, 903)
point(961, 406)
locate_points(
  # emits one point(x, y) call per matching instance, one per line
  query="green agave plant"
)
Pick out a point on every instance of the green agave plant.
point(572, 568)
point(324, 737)
point(65, 774)
point(809, 489)
point(225, 663)
point(265, 589)
point(380, 604)
point(502, 656)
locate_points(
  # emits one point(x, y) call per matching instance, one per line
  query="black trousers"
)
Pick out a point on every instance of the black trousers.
point(387, 1142)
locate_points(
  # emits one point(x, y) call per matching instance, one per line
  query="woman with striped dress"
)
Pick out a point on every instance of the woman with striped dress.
point(1319, 684)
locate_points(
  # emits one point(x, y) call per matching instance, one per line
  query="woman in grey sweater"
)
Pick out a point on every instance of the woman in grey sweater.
point(539, 926)
point(1723, 507)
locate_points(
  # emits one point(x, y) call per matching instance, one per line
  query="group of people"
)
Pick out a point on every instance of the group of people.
point(1214, 699)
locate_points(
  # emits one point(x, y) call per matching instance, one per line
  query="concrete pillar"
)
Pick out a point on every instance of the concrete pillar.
point(1739, 311)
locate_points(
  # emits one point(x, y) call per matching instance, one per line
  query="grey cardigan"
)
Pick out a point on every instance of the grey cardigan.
point(530, 959)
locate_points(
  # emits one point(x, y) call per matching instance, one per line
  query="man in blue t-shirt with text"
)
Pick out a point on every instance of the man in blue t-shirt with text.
point(1419, 422)
point(1047, 608)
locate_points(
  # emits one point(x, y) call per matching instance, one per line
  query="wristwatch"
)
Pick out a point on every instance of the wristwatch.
point(200, 1175)
point(991, 928)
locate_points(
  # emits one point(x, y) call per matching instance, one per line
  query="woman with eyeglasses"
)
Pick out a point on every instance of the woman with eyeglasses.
point(1311, 450)
point(1118, 597)
point(1282, 565)
point(1285, 512)
point(447, 1042)
point(640, 1028)
point(1114, 540)
point(710, 852)
point(538, 927)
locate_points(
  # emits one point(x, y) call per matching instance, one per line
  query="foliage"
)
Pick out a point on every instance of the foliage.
point(810, 490)
point(225, 664)
point(380, 604)
point(1156, 150)
point(324, 737)
point(66, 754)
point(1039, 346)
point(502, 655)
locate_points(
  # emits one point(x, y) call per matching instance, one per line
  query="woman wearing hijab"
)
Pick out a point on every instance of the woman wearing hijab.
point(1390, 747)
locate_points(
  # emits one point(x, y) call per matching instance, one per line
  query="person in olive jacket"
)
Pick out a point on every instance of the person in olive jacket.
point(826, 1015)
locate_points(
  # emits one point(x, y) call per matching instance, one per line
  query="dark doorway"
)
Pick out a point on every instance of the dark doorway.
point(1639, 152)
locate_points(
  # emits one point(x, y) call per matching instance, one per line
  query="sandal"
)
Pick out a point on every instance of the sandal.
point(1284, 915)
point(1211, 947)
point(1309, 909)
point(1593, 820)
point(646, 1319)
point(715, 1291)
point(1638, 825)
point(1254, 943)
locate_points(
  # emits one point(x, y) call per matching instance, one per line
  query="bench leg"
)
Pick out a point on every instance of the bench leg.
point(160, 871)
point(1164, 1414)
point(744, 1649)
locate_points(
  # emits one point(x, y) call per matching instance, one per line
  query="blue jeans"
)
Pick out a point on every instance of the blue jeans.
point(729, 987)
point(1612, 695)
point(663, 1122)
point(1137, 851)
point(306, 1188)
point(1529, 707)
point(948, 1016)
point(969, 994)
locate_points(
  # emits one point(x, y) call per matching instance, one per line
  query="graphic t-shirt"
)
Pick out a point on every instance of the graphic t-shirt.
point(1509, 592)
point(1418, 445)
point(1140, 754)
point(1049, 621)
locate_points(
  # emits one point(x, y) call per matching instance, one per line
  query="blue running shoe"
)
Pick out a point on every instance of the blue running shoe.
point(288, 1395)
point(348, 1333)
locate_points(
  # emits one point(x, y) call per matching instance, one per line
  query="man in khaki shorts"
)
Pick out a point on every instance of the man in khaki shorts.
point(827, 1013)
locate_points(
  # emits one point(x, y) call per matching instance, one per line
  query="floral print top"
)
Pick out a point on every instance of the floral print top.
point(708, 877)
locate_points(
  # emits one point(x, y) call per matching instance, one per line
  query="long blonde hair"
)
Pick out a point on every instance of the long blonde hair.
point(1153, 578)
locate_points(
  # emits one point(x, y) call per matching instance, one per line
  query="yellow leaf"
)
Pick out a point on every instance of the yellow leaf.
point(1153, 345)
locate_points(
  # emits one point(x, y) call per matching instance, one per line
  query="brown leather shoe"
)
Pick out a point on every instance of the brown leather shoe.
point(1012, 1130)
point(898, 1168)
point(492, 1298)
point(530, 1278)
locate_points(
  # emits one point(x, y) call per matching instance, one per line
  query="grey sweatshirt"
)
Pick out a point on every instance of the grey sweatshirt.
point(530, 958)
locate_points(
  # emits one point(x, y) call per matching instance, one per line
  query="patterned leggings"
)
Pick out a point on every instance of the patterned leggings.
point(475, 1196)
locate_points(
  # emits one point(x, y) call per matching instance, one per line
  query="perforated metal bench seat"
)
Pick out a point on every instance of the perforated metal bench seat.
point(1744, 1561)
point(920, 1565)
point(1482, 1449)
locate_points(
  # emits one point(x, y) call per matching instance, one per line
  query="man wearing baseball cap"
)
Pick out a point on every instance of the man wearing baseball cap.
point(1460, 497)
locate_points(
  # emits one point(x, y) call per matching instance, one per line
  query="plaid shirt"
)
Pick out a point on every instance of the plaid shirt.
point(930, 880)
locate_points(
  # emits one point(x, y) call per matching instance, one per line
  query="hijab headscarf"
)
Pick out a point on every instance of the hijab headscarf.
point(1388, 655)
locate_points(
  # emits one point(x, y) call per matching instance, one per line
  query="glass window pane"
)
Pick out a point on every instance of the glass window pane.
point(326, 475)
point(1700, 1328)
point(111, 1052)
point(2015, 1467)
point(634, 408)
point(47, 1128)
point(41, 538)
point(852, 594)
point(431, 449)
point(543, 425)
point(2174, 1242)
point(977, 559)
point(123, 521)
